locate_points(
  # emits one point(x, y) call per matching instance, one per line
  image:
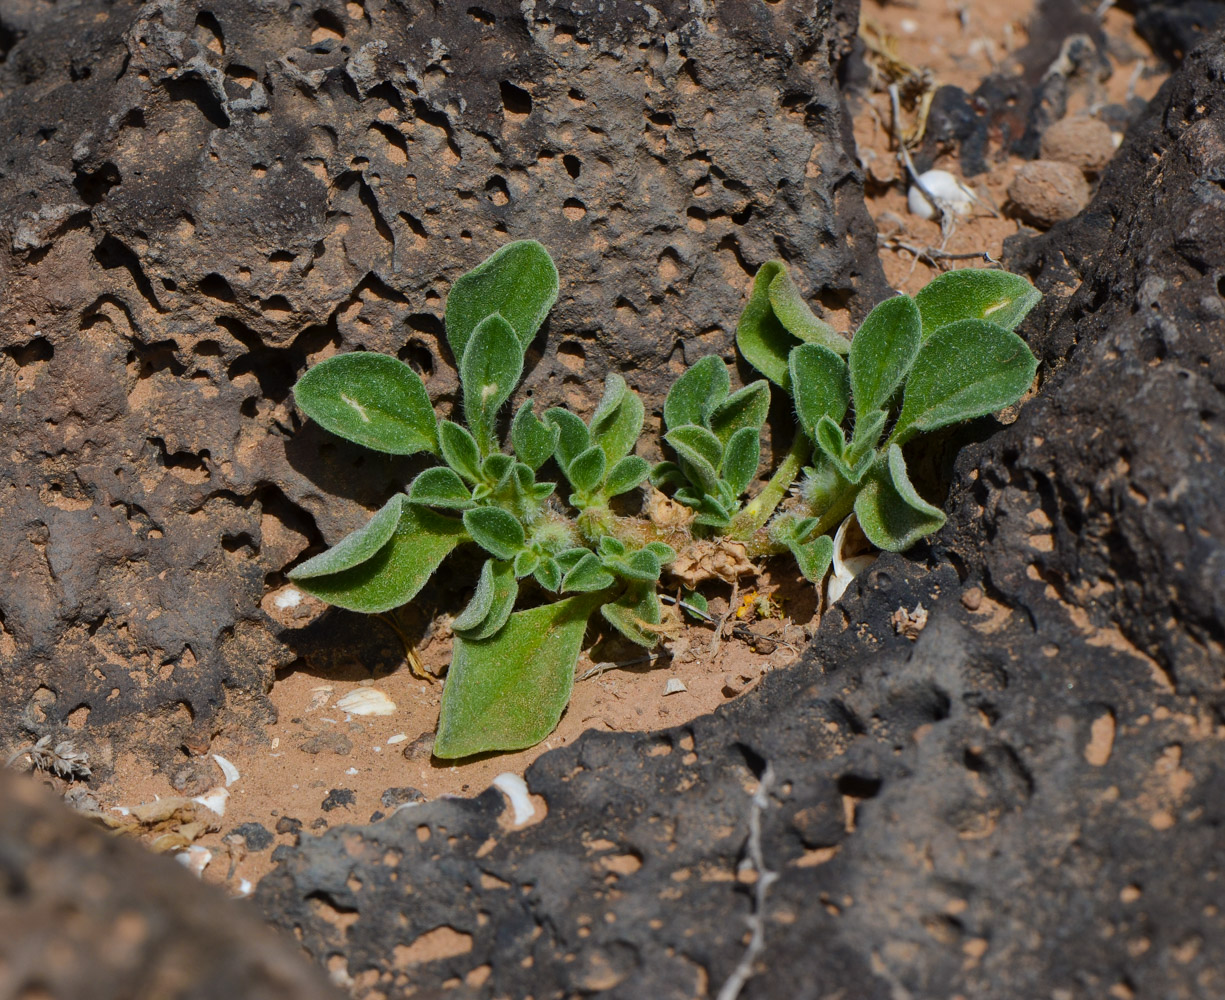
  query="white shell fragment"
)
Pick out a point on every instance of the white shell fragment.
point(214, 799)
point(515, 789)
point(195, 859)
point(844, 570)
point(228, 769)
point(245, 888)
point(674, 686)
point(288, 598)
point(319, 697)
point(953, 196)
point(398, 738)
point(366, 701)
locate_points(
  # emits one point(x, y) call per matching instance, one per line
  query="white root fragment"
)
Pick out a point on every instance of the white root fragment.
point(949, 192)
point(228, 769)
point(674, 686)
point(195, 859)
point(515, 789)
point(366, 701)
point(844, 569)
point(214, 799)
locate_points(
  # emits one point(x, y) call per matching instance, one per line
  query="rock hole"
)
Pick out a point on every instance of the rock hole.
point(664, 119)
point(216, 287)
point(276, 304)
point(170, 284)
point(37, 351)
point(497, 190)
point(573, 209)
point(418, 357)
point(576, 95)
point(194, 90)
point(742, 218)
point(574, 167)
point(208, 34)
point(859, 786)
point(397, 145)
point(428, 324)
point(78, 717)
point(482, 15)
point(621, 864)
point(755, 761)
point(572, 355)
point(515, 100)
point(327, 28)
point(92, 186)
point(244, 76)
point(669, 266)
point(441, 942)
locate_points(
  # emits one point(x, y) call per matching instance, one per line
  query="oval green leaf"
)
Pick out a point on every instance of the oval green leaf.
point(798, 319)
point(490, 370)
point(372, 400)
point(696, 394)
point(519, 281)
point(883, 350)
point(976, 293)
point(357, 546)
point(440, 487)
point(495, 530)
point(763, 341)
point(820, 385)
point(889, 509)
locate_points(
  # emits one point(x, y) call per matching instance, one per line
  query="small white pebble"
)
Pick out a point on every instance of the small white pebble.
point(276, 742)
point(378, 749)
point(674, 686)
point(398, 738)
point(352, 770)
point(908, 25)
point(366, 701)
point(244, 888)
point(515, 789)
point(290, 597)
point(946, 189)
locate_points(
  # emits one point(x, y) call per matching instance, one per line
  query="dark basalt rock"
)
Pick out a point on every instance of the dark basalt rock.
point(201, 199)
point(87, 914)
point(1022, 802)
point(1174, 27)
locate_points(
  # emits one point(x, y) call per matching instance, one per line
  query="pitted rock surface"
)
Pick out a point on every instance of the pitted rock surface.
point(87, 914)
point(1024, 801)
point(202, 198)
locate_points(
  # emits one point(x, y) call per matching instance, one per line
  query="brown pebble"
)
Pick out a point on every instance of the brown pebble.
point(1086, 143)
point(1045, 192)
point(421, 748)
point(972, 599)
point(336, 743)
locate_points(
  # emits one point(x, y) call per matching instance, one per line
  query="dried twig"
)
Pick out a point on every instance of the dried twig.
point(604, 665)
point(934, 254)
point(742, 632)
point(765, 878)
point(722, 623)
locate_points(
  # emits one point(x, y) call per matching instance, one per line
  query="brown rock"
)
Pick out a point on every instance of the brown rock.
point(1045, 192)
point(1085, 143)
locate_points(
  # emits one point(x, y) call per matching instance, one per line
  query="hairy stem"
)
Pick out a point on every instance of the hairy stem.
point(758, 510)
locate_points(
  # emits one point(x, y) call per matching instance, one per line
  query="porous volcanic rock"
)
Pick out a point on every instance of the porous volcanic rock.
point(86, 914)
point(199, 198)
point(1024, 800)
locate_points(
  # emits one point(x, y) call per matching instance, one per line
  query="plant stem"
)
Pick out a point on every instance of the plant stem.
point(758, 510)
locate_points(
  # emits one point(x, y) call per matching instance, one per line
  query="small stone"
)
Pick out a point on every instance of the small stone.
point(1045, 192)
point(287, 824)
point(421, 748)
point(256, 835)
point(319, 824)
point(1086, 143)
point(338, 797)
point(393, 797)
point(336, 743)
point(193, 778)
point(281, 853)
point(972, 599)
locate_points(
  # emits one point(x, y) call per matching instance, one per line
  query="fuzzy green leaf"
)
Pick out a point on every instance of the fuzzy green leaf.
point(440, 487)
point(830, 439)
point(643, 566)
point(573, 437)
point(459, 450)
point(503, 592)
point(966, 369)
point(883, 350)
point(495, 530)
point(490, 370)
point(763, 341)
point(663, 552)
point(698, 441)
point(976, 293)
point(813, 558)
point(696, 394)
point(507, 692)
point(371, 399)
point(533, 441)
point(497, 469)
point(482, 601)
point(519, 281)
point(357, 546)
point(741, 458)
point(548, 574)
point(868, 427)
point(667, 474)
point(747, 407)
point(699, 604)
point(628, 474)
point(586, 471)
point(526, 562)
point(820, 385)
point(639, 606)
point(397, 571)
point(587, 575)
point(890, 511)
point(798, 319)
point(617, 421)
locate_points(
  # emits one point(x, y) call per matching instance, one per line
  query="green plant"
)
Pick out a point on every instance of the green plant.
point(552, 564)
